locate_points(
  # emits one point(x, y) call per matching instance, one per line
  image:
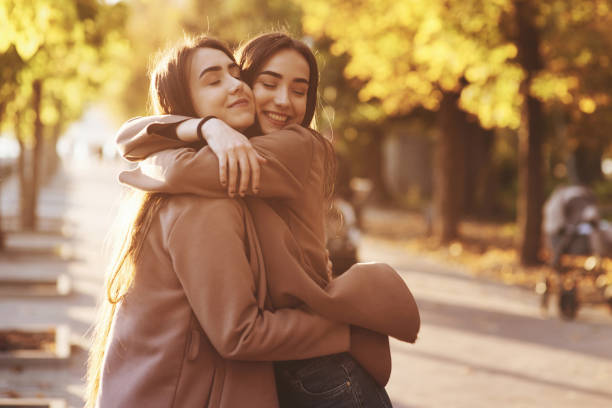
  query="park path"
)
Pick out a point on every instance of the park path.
point(486, 344)
point(481, 343)
point(78, 205)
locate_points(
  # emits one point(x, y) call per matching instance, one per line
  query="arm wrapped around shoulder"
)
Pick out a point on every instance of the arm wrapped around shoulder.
point(142, 136)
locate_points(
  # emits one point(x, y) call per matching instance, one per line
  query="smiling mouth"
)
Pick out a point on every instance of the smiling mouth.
point(239, 103)
point(277, 118)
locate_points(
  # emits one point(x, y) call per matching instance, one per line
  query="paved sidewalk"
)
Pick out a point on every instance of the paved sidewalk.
point(481, 344)
point(485, 344)
point(84, 196)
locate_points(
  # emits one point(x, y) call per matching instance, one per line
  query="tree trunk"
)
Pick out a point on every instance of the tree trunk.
point(587, 163)
point(2, 234)
point(23, 172)
point(31, 187)
point(374, 166)
point(449, 172)
point(478, 165)
point(51, 156)
point(531, 135)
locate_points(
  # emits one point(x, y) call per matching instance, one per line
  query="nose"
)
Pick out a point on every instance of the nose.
point(236, 85)
point(281, 97)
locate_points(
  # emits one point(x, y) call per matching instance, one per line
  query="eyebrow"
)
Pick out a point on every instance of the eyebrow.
point(279, 76)
point(216, 68)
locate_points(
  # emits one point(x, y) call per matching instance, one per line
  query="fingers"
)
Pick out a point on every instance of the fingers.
point(239, 166)
point(255, 170)
point(245, 172)
point(223, 170)
point(233, 174)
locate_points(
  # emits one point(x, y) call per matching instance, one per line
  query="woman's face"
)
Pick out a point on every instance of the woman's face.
point(216, 88)
point(281, 89)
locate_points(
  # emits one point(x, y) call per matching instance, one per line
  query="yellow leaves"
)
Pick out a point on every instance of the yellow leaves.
point(603, 8)
point(582, 11)
point(477, 73)
point(6, 34)
point(503, 53)
point(495, 102)
point(428, 29)
point(587, 105)
point(49, 114)
point(548, 86)
point(351, 134)
point(412, 80)
point(27, 26)
point(411, 50)
point(583, 58)
point(315, 20)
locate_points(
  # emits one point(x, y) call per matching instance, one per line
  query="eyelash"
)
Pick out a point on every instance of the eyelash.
point(272, 86)
point(218, 81)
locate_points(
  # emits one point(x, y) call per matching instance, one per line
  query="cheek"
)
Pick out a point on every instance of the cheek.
point(206, 103)
point(260, 96)
point(300, 109)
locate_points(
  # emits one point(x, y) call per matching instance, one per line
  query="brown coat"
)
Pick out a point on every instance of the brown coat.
point(291, 234)
point(291, 181)
point(180, 332)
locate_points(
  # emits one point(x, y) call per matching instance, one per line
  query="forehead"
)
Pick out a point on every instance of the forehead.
point(202, 58)
point(288, 63)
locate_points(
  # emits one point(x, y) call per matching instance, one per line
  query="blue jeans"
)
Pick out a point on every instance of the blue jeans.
point(334, 381)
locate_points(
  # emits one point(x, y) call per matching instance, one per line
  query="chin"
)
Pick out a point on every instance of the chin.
point(269, 128)
point(240, 123)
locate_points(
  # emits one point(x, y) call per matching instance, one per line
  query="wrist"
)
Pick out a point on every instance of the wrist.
point(204, 126)
point(187, 130)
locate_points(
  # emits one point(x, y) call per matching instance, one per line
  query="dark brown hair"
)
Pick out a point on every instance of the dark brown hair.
point(169, 82)
point(257, 52)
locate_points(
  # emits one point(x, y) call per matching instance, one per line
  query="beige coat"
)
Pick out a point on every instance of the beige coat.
point(291, 234)
point(180, 333)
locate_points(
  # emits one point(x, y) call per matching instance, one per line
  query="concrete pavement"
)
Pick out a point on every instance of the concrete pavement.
point(485, 344)
point(76, 209)
point(481, 343)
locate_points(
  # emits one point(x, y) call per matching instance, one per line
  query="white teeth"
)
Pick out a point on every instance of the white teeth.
point(277, 117)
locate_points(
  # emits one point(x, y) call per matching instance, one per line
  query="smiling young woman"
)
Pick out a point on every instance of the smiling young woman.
point(280, 91)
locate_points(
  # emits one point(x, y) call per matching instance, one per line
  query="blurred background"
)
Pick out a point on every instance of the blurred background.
point(453, 123)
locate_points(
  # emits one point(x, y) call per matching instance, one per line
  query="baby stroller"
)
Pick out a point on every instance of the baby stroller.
point(579, 242)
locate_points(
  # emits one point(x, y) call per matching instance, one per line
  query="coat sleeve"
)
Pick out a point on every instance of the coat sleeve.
point(142, 136)
point(207, 248)
point(186, 170)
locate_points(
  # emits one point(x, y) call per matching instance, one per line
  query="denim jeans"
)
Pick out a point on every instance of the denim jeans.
point(334, 381)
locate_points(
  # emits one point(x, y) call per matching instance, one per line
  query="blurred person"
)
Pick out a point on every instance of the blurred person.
point(295, 175)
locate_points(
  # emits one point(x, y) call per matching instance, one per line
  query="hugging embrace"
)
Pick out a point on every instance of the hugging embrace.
point(221, 293)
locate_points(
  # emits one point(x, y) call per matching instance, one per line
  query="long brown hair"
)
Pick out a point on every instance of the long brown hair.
point(169, 94)
point(257, 52)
